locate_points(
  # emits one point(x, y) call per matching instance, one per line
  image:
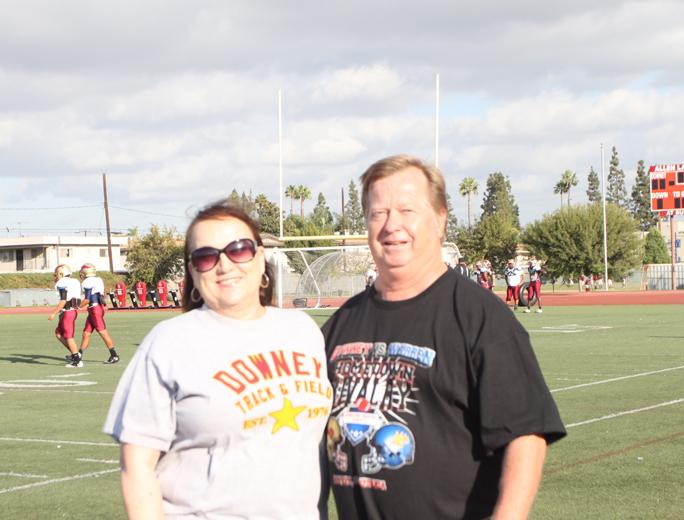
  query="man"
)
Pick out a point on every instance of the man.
point(94, 300)
point(439, 407)
point(483, 275)
point(491, 275)
point(514, 278)
point(69, 291)
point(534, 289)
point(462, 267)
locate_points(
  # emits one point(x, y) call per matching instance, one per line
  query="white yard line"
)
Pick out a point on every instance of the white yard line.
point(51, 441)
point(616, 379)
point(73, 375)
point(56, 480)
point(21, 475)
point(626, 412)
point(101, 461)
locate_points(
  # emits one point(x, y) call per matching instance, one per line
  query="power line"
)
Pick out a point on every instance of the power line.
point(53, 208)
point(148, 212)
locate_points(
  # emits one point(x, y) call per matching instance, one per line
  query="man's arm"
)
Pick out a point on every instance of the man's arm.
point(139, 483)
point(57, 309)
point(520, 477)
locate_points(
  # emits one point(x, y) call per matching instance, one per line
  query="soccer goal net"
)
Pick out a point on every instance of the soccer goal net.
point(326, 276)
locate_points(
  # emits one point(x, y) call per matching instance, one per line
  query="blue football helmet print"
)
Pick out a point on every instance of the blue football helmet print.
point(392, 446)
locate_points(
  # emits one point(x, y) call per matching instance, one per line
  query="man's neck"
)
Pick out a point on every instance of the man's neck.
point(398, 286)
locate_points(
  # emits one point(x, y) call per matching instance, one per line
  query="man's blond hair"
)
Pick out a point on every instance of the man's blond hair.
point(396, 163)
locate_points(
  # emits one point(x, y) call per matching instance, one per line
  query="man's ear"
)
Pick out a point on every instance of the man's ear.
point(441, 222)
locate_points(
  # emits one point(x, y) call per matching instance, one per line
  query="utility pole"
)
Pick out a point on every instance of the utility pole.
point(109, 231)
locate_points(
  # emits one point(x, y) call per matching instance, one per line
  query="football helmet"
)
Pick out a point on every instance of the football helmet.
point(392, 446)
point(87, 270)
point(61, 271)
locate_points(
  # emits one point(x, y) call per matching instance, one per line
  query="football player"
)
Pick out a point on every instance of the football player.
point(69, 290)
point(514, 278)
point(94, 300)
point(536, 271)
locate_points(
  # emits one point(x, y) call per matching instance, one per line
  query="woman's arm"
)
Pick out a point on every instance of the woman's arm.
point(139, 484)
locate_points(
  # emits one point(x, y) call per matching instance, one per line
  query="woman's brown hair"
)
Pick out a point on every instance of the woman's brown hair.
point(219, 210)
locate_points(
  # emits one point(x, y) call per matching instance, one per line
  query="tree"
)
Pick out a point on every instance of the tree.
point(247, 204)
point(268, 214)
point(451, 223)
point(616, 192)
point(571, 241)
point(655, 248)
point(469, 244)
point(499, 199)
point(569, 178)
point(567, 181)
point(468, 188)
point(155, 256)
point(322, 216)
point(291, 193)
point(641, 199)
point(593, 186)
point(234, 197)
point(353, 211)
point(559, 188)
point(498, 239)
point(303, 193)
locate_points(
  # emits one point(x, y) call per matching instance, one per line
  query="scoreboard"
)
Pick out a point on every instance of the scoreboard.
point(667, 189)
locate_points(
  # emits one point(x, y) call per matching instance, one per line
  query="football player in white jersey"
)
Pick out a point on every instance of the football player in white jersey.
point(69, 290)
point(514, 278)
point(94, 300)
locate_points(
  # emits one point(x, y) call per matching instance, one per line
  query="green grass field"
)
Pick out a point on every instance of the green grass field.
point(617, 374)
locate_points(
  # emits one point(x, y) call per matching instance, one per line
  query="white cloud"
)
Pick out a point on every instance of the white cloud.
point(361, 83)
point(174, 98)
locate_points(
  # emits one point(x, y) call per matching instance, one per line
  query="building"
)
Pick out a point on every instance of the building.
point(41, 254)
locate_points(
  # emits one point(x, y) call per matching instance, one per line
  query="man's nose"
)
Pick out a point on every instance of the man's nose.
point(393, 221)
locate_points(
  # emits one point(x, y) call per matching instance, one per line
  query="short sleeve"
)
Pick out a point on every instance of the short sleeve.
point(512, 394)
point(143, 410)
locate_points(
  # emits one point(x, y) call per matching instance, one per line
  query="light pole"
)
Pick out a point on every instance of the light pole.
point(605, 235)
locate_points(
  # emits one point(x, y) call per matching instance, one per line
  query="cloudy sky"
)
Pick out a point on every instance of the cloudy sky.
point(176, 101)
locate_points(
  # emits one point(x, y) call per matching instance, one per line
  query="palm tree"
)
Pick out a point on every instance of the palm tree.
point(468, 188)
point(304, 193)
point(570, 179)
point(567, 181)
point(291, 193)
point(560, 188)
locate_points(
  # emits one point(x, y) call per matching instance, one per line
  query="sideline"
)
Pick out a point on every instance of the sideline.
point(55, 480)
point(621, 378)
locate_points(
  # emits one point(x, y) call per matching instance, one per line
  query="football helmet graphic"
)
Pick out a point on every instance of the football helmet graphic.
point(87, 270)
point(392, 446)
point(61, 271)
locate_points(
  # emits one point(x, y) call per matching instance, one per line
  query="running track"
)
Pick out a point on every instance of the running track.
point(549, 299)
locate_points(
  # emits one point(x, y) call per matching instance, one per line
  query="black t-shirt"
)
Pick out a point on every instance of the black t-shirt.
point(427, 392)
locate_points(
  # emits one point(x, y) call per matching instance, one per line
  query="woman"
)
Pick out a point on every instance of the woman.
point(221, 411)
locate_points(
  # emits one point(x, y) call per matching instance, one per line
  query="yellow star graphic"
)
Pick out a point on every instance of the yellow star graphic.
point(286, 416)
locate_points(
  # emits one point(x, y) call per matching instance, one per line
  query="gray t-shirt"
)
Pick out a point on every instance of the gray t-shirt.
point(238, 409)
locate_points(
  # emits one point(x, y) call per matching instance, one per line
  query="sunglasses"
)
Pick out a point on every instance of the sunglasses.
point(204, 259)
